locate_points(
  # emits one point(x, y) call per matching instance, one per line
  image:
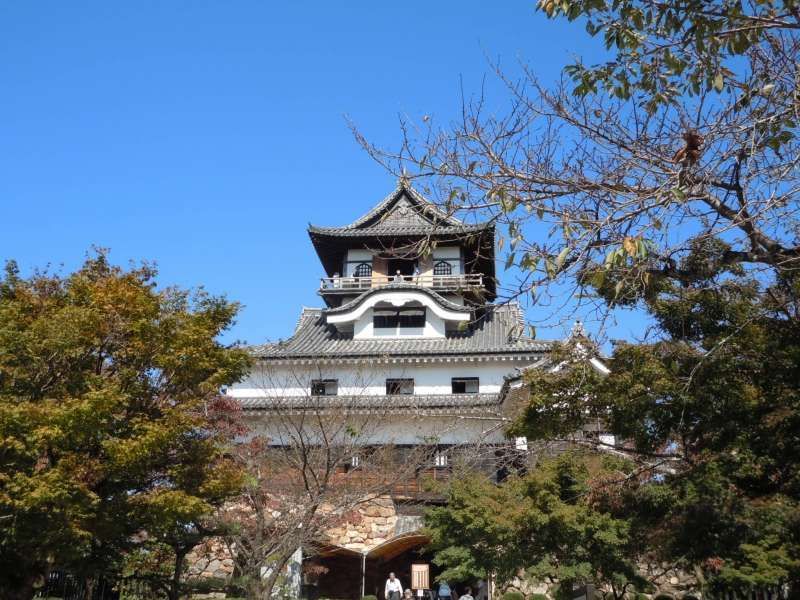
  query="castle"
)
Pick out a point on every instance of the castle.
point(411, 337)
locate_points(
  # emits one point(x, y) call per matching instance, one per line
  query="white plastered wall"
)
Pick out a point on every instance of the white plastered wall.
point(353, 258)
point(435, 322)
point(450, 253)
point(368, 379)
point(434, 328)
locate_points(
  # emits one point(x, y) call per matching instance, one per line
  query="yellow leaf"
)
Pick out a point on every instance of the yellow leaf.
point(629, 244)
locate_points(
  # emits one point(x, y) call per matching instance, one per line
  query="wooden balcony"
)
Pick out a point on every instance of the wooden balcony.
point(423, 486)
point(355, 285)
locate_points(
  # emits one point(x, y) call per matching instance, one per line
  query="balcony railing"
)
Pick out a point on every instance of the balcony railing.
point(437, 282)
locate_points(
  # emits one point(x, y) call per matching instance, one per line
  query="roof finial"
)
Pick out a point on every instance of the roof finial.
point(577, 329)
point(404, 180)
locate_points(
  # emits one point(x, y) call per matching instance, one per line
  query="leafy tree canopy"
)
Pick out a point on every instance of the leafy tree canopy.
point(547, 522)
point(664, 50)
point(711, 413)
point(106, 384)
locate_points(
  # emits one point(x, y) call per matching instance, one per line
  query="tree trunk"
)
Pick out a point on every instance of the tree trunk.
point(174, 592)
point(260, 588)
point(255, 588)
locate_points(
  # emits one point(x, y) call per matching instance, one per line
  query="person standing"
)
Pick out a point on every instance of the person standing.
point(467, 594)
point(483, 592)
point(393, 589)
point(444, 591)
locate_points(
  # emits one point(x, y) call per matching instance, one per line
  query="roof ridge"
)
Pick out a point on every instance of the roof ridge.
point(402, 186)
point(377, 208)
point(516, 331)
point(304, 312)
point(430, 205)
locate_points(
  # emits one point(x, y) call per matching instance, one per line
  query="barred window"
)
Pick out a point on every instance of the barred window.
point(391, 318)
point(363, 270)
point(401, 387)
point(442, 268)
point(465, 385)
point(324, 387)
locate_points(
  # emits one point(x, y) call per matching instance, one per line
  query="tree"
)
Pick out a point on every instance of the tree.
point(105, 382)
point(608, 182)
point(546, 523)
point(664, 179)
point(711, 411)
point(177, 521)
point(668, 50)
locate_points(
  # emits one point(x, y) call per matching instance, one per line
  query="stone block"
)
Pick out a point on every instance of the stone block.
point(355, 546)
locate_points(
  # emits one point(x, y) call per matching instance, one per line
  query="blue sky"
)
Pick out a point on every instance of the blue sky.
point(205, 136)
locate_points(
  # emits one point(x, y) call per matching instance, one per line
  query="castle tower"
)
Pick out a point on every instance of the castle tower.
point(409, 333)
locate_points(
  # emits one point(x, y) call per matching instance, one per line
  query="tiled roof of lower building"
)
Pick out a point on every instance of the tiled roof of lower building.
point(379, 403)
point(497, 330)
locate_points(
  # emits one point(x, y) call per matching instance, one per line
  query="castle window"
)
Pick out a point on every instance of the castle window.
point(324, 387)
point(442, 268)
point(465, 385)
point(391, 318)
point(399, 387)
point(363, 270)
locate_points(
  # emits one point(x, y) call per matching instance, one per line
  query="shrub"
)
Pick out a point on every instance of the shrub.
point(204, 585)
point(236, 587)
point(538, 597)
point(563, 591)
point(513, 596)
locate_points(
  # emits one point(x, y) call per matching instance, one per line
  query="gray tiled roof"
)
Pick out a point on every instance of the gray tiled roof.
point(404, 188)
point(403, 212)
point(393, 287)
point(396, 230)
point(497, 331)
point(379, 402)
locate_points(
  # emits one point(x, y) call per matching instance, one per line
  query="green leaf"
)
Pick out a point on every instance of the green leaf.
point(679, 194)
point(562, 256)
point(550, 267)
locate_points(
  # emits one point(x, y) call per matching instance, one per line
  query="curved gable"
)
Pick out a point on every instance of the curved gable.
point(397, 295)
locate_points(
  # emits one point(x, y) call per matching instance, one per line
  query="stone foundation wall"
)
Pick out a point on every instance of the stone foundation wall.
point(374, 525)
point(667, 580)
point(212, 558)
point(370, 524)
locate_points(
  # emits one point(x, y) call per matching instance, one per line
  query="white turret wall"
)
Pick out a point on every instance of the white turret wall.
point(370, 378)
